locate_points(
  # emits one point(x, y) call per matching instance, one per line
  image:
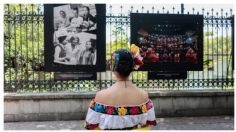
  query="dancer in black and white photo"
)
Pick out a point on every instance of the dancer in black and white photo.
point(76, 24)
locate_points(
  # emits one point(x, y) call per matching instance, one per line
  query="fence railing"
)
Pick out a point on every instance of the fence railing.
point(24, 50)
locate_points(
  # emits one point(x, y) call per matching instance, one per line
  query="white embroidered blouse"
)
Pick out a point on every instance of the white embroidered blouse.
point(119, 117)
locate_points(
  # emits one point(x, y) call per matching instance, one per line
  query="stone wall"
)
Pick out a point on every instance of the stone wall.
point(73, 106)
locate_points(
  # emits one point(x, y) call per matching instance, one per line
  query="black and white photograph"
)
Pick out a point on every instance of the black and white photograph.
point(74, 44)
point(74, 40)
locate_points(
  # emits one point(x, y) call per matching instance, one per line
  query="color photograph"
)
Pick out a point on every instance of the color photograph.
point(171, 40)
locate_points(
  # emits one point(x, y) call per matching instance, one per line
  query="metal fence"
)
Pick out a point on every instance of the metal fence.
point(24, 50)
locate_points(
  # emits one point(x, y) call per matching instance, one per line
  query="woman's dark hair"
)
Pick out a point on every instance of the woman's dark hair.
point(61, 38)
point(72, 39)
point(61, 11)
point(93, 45)
point(124, 62)
point(76, 9)
point(87, 8)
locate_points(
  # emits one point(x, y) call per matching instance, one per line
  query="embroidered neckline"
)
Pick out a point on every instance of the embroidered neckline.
point(122, 105)
point(121, 110)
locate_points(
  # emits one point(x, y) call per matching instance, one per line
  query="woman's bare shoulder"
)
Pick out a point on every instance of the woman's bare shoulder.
point(144, 94)
point(101, 95)
point(105, 94)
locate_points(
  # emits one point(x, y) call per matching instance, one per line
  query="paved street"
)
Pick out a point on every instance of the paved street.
point(176, 123)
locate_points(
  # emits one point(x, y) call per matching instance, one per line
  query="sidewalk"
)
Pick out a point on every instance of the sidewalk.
point(175, 123)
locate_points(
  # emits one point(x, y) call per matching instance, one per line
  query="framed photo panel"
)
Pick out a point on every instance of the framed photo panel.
point(74, 37)
point(168, 42)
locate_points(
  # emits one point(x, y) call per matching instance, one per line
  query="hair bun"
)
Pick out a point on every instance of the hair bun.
point(124, 62)
point(125, 68)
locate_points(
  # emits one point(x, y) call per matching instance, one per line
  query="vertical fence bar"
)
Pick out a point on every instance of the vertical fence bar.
point(110, 45)
point(39, 72)
point(21, 56)
point(182, 8)
point(26, 38)
point(5, 61)
point(232, 51)
point(44, 75)
point(198, 72)
point(232, 43)
point(121, 27)
point(217, 49)
point(204, 54)
point(213, 68)
point(32, 38)
point(208, 48)
point(9, 44)
point(15, 56)
point(132, 75)
point(227, 64)
point(222, 48)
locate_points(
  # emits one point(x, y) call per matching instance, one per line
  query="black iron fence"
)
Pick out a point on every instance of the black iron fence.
point(24, 50)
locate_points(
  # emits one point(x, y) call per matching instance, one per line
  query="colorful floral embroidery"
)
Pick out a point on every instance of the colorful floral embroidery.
point(113, 110)
point(144, 109)
point(99, 108)
point(91, 104)
point(134, 110)
point(110, 110)
point(149, 105)
point(122, 111)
